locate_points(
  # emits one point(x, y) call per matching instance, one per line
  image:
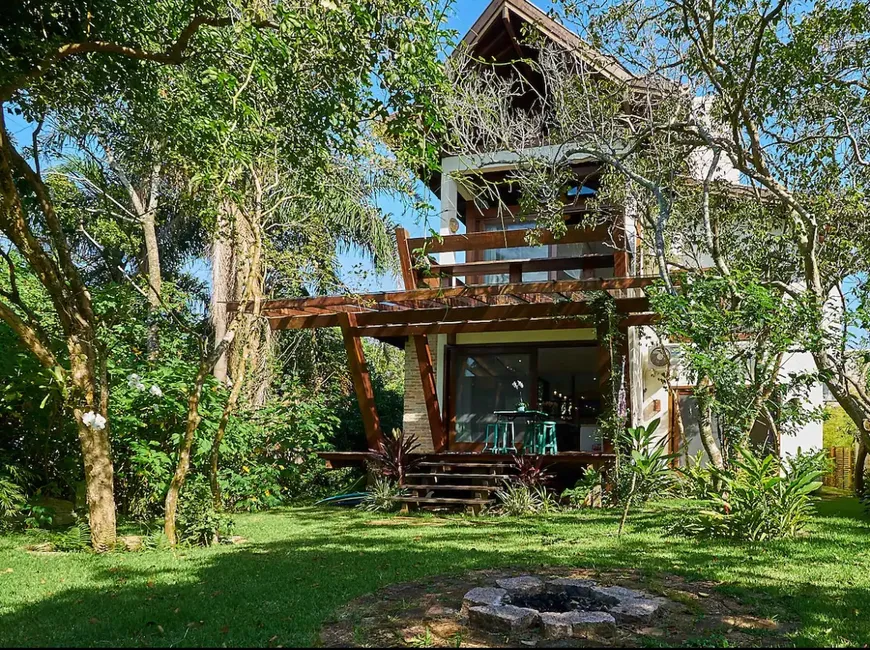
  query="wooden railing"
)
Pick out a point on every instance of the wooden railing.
point(415, 255)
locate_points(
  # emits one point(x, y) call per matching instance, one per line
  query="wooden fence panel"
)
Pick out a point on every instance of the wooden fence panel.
point(841, 476)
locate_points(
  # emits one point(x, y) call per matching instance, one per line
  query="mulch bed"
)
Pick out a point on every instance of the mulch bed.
point(428, 614)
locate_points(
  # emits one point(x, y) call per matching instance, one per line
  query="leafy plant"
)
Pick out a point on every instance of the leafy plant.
point(695, 480)
point(12, 499)
point(394, 456)
point(759, 500)
point(381, 495)
point(649, 467)
point(531, 471)
point(199, 524)
point(519, 499)
point(582, 494)
point(75, 539)
point(803, 462)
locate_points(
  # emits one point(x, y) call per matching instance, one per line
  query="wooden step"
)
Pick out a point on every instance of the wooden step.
point(462, 476)
point(469, 488)
point(446, 501)
point(461, 464)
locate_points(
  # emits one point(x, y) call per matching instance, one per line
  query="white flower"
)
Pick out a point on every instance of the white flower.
point(133, 380)
point(94, 421)
point(155, 390)
point(140, 386)
point(520, 384)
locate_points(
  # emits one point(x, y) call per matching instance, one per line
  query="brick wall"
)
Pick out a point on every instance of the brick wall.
point(414, 419)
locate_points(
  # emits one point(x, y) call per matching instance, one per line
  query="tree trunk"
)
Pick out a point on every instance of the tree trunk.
point(859, 472)
point(206, 366)
point(96, 449)
point(155, 282)
point(229, 408)
point(222, 289)
point(705, 428)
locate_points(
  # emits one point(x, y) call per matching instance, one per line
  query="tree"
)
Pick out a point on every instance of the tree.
point(57, 59)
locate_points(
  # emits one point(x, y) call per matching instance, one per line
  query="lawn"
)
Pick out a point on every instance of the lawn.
point(300, 564)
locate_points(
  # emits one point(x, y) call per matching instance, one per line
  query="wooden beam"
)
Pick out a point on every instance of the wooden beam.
point(455, 314)
point(516, 268)
point(362, 381)
point(430, 393)
point(477, 241)
point(523, 324)
point(371, 300)
point(408, 275)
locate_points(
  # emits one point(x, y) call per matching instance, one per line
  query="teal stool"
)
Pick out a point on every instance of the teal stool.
point(491, 441)
point(548, 444)
point(499, 437)
point(533, 442)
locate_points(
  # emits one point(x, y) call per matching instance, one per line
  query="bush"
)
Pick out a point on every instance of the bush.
point(519, 499)
point(814, 461)
point(695, 481)
point(199, 524)
point(531, 471)
point(394, 456)
point(584, 491)
point(381, 495)
point(758, 502)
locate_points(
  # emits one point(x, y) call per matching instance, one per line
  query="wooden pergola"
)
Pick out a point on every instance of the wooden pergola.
point(425, 310)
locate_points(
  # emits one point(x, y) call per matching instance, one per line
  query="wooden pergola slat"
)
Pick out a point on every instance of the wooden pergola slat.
point(370, 300)
point(478, 241)
point(362, 381)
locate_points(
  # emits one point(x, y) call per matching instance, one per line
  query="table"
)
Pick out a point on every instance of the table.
point(507, 418)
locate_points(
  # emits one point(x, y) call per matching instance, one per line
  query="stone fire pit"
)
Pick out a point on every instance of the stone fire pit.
point(561, 607)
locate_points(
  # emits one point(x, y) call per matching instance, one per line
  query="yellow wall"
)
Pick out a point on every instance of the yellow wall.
point(529, 336)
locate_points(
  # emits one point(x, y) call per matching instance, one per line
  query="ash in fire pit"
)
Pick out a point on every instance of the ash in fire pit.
point(562, 607)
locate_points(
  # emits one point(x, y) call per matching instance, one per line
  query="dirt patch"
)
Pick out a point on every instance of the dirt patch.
point(429, 614)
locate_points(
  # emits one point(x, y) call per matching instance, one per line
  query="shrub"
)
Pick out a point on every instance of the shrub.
point(394, 457)
point(759, 501)
point(199, 524)
point(695, 481)
point(531, 471)
point(519, 499)
point(803, 462)
point(584, 491)
point(77, 538)
point(381, 495)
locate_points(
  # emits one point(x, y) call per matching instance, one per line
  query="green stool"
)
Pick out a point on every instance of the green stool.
point(533, 441)
point(499, 437)
point(548, 444)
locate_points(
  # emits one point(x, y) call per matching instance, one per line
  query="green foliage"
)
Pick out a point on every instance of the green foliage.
point(579, 495)
point(839, 430)
point(198, 522)
point(807, 462)
point(381, 495)
point(517, 499)
point(760, 500)
point(695, 480)
point(645, 472)
point(75, 539)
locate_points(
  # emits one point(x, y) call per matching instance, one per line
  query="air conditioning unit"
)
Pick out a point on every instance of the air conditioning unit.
point(659, 357)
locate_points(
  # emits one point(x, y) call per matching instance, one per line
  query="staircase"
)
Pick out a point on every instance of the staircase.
point(454, 485)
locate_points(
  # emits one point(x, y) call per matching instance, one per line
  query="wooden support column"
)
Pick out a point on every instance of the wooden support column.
point(430, 393)
point(409, 277)
point(424, 353)
point(621, 261)
point(362, 381)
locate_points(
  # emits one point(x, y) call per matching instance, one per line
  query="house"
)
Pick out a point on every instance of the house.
point(488, 321)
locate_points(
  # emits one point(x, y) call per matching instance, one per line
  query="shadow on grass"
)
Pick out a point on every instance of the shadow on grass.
point(279, 592)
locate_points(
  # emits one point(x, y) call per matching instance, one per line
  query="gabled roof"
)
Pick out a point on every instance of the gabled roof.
point(502, 17)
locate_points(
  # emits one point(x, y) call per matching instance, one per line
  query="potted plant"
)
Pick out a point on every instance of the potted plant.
point(518, 385)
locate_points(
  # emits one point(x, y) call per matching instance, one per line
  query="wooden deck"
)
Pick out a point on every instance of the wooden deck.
point(338, 459)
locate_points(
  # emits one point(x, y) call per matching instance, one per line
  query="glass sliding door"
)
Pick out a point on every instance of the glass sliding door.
point(484, 383)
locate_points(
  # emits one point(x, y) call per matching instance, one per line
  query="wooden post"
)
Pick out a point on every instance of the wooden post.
point(621, 263)
point(362, 381)
point(409, 278)
point(430, 393)
point(424, 353)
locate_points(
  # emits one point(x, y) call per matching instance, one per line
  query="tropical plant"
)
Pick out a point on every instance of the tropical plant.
point(695, 479)
point(649, 467)
point(586, 491)
point(803, 462)
point(760, 500)
point(395, 457)
point(199, 523)
point(381, 496)
point(531, 470)
point(517, 499)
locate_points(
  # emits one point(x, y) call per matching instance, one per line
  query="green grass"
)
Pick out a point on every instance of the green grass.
point(301, 564)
